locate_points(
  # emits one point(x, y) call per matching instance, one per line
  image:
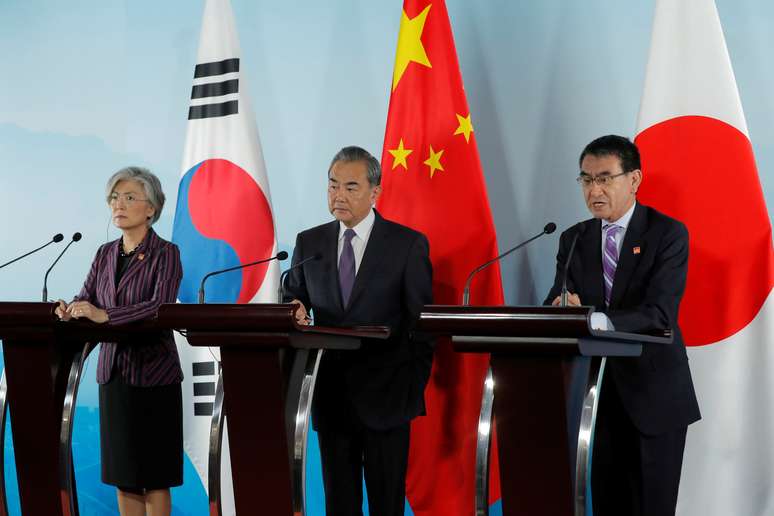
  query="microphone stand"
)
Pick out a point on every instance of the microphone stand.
point(281, 288)
point(547, 230)
point(76, 237)
point(565, 294)
point(57, 238)
point(279, 256)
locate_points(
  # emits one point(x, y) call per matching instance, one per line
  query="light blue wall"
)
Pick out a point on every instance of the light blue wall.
point(89, 86)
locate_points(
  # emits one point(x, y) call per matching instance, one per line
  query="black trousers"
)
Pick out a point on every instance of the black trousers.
point(349, 454)
point(633, 474)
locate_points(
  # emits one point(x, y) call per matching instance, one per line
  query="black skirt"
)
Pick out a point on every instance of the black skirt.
point(141, 435)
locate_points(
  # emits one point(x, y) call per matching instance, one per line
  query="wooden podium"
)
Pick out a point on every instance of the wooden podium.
point(36, 371)
point(257, 344)
point(539, 418)
point(43, 362)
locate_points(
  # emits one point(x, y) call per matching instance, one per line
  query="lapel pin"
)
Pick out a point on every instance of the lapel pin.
point(636, 250)
point(141, 256)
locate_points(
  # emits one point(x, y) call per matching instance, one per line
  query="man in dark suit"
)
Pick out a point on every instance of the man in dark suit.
point(371, 272)
point(630, 263)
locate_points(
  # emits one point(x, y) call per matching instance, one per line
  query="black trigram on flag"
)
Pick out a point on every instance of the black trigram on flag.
point(203, 392)
point(213, 92)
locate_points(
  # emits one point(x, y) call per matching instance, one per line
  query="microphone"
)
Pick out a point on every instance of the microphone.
point(281, 289)
point(578, 233)
point(282, 255)
point(55, 239)
point(547, 230)
point(76, 237)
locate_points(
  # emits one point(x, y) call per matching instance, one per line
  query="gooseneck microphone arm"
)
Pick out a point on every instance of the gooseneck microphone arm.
point(75, 238)
point(547, 230)
point(282, 255)
point(56, 238)
point(578, 233)
point(281, 288)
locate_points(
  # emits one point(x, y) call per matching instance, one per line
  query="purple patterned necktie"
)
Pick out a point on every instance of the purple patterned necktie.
point(347, 266)
point(610, 259)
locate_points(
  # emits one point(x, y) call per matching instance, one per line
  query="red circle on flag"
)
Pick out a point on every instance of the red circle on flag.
point(226, 203)
point(702, 172)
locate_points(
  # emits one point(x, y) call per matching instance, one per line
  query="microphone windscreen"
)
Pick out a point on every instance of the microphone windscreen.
point(58, 237)
point(282, 255)
point(550, 228)
point(76, 236)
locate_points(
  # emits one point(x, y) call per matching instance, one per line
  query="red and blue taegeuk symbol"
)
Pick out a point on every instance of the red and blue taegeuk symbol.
point(223, 219)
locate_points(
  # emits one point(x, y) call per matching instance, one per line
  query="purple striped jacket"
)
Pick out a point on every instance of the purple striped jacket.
point(152, 278)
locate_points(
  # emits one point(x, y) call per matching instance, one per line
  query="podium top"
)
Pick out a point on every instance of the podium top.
point(221, 316)
point(543, 322)
point(38, 319)
point(265, 318)
point(26, 313)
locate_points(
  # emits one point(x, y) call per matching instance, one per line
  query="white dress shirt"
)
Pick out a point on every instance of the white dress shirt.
point(360, 240)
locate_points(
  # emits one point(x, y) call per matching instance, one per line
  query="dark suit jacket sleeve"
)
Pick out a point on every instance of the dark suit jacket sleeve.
point(665, 286)
point(418, 280)
point(295, 283)
point(167, 281)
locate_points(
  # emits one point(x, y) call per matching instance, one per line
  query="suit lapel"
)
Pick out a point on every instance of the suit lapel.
point(331, 257)
point(111, 258)
point(591, 253)
point(375, 251)
point(627, 258)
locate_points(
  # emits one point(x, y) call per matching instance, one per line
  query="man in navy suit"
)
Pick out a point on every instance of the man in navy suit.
point(630, 263)
point(371, 272)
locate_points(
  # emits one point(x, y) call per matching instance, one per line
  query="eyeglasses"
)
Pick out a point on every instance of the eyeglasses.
point(586, 181)
point(128, 198)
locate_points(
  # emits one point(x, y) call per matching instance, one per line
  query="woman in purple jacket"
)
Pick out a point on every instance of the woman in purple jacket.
point(140, 400)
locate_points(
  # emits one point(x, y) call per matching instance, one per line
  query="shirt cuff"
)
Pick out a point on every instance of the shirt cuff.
point(600, 321)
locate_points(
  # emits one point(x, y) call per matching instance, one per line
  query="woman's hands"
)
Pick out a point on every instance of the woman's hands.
point(61, 310)
point(80, 310)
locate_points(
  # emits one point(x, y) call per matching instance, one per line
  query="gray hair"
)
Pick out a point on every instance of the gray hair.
point(150, 183)
point(354, 153)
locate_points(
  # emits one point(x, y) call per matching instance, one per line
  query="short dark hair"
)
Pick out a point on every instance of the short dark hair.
point(354, 153)
point(612, 145)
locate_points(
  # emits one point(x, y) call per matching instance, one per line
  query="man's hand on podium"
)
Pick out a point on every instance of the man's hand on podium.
point(302, 317)
point(572, 300)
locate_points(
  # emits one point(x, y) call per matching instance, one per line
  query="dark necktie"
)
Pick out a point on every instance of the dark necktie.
point(347, 266)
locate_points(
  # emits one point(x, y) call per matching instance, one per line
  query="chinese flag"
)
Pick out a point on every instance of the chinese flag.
point(433, 182)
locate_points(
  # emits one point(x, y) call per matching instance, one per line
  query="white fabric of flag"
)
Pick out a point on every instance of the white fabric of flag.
point(223, 216)
point(699, 167)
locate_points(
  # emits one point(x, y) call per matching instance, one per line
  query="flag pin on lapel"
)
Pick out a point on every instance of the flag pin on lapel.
point(141, 256)
point(636, 250)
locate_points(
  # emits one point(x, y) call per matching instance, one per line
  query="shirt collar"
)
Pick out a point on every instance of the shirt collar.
point(362, 229)
point(623, 222)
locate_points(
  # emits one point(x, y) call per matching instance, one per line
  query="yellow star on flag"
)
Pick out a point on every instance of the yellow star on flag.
point(410, 48)
point(399, 155)
point(465, 127)
point(434, 161)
